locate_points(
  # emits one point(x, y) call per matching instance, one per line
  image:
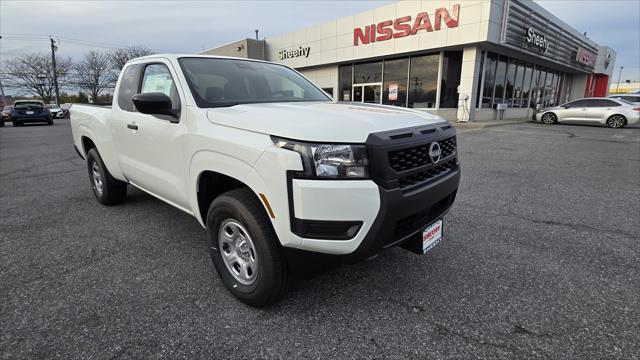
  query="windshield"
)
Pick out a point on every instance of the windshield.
point(228, 82)
point(28, 105)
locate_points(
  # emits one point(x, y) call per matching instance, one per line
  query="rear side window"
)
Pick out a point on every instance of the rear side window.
point(128, 87)
point(604, 103)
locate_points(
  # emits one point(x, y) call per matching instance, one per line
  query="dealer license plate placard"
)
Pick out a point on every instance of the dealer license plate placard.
point(29, 112)
point(431, 236)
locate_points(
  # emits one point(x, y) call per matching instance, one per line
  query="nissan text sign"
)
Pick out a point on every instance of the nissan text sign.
point(403, 26)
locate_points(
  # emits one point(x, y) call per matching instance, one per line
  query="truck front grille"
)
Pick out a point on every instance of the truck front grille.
point(411, 158)
point(427, 175)
point(400, 159)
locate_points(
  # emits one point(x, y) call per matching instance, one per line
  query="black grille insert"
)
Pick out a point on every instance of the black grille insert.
point(411, 158)
point(427, 175)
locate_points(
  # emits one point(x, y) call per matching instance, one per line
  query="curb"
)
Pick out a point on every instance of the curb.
point(483, 124)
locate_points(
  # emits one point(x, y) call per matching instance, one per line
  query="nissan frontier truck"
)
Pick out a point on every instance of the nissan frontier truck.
point(274, 170)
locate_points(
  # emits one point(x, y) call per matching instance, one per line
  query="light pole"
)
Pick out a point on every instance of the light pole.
point(619, 77)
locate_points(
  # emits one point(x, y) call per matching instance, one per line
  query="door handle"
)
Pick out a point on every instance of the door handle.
point(132, 126)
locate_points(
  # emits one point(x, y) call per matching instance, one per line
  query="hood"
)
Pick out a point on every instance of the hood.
point(320, 121)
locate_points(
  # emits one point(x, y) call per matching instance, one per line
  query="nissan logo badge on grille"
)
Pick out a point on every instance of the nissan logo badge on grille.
point(435, 152)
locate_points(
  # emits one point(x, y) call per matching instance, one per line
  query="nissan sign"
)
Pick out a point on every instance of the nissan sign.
point(403, 26)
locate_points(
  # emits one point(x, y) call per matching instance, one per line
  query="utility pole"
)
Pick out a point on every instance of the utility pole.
point(55, 70)
point(619, 76)
point(2, 90)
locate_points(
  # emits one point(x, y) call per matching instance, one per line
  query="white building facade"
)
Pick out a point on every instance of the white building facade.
point(461, 59)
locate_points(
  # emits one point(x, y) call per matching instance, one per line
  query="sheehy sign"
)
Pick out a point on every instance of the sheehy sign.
point(401, 27)
point(539, 41)
point(294, 53)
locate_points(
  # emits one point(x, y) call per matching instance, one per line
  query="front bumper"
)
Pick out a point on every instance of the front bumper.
point(406, 193)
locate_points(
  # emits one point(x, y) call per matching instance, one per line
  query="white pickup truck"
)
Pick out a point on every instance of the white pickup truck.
point(282, 177)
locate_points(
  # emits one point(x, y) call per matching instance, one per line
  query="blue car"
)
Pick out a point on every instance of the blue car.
point(29, 111)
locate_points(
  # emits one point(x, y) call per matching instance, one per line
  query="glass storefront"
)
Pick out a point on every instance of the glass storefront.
point(407, 82)
point(413, 82)
point(518, 84)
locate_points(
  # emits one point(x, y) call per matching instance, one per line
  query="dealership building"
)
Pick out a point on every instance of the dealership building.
point(461, 59)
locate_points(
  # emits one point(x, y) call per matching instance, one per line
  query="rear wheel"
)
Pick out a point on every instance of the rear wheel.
point(245, 249)
point(549, 118)
point(107, 189)
point(616, 121)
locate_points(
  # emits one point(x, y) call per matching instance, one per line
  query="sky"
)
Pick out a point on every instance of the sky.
point(192, 26)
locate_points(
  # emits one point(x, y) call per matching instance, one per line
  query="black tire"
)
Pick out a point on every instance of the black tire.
point(616, 121)
point(549, 118)
point(107, 189)
point(50, 122)
point(271, 278)
point(16, 123)
point(1, 123)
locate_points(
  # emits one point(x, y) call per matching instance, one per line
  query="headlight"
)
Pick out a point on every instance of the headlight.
point(329, 161)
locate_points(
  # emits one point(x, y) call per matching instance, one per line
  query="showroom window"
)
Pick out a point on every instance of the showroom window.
point(423, 81)
point(501, 75)
point(451, 68)
point(395, 82)
point(526, 85)
point(518, 84)
point(345, 80)
point(510, 83)
point(489, 80)
point(367, 73)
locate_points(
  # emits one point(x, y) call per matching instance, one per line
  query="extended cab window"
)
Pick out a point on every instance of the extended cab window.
point(227, 82)
point(157, 78)
point(128, 87)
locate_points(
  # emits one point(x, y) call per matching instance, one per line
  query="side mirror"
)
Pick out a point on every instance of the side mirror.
point(154, 103)
point(567, 106)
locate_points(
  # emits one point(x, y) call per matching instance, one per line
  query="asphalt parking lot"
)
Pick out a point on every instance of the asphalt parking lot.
point(540, 260)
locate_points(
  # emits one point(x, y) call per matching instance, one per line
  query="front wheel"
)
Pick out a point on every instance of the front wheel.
point(549, 118)
point(616, 121)
point(107, 189)
point(245, 249)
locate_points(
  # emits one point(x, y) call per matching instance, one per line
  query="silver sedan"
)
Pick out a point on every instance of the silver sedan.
point(614, 113)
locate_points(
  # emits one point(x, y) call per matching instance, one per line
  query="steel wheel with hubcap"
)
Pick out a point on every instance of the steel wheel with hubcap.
point(245, 249)
point(97, 177)
point(106, 188)
point(238, 252)
point(616, 121)
point(549, 118)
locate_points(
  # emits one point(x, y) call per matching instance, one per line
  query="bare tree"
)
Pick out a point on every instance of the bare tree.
point(33, 73)
point(119, 57)
point(94, 74)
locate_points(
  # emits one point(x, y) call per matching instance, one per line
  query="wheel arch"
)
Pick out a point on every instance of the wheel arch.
point(213, 174)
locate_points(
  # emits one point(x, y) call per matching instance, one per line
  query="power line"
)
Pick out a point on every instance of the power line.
point(37, 37)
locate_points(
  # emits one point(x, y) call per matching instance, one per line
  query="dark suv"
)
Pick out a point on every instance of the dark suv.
point(29, 111)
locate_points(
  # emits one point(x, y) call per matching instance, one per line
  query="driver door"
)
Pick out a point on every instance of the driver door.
point(152, 146)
